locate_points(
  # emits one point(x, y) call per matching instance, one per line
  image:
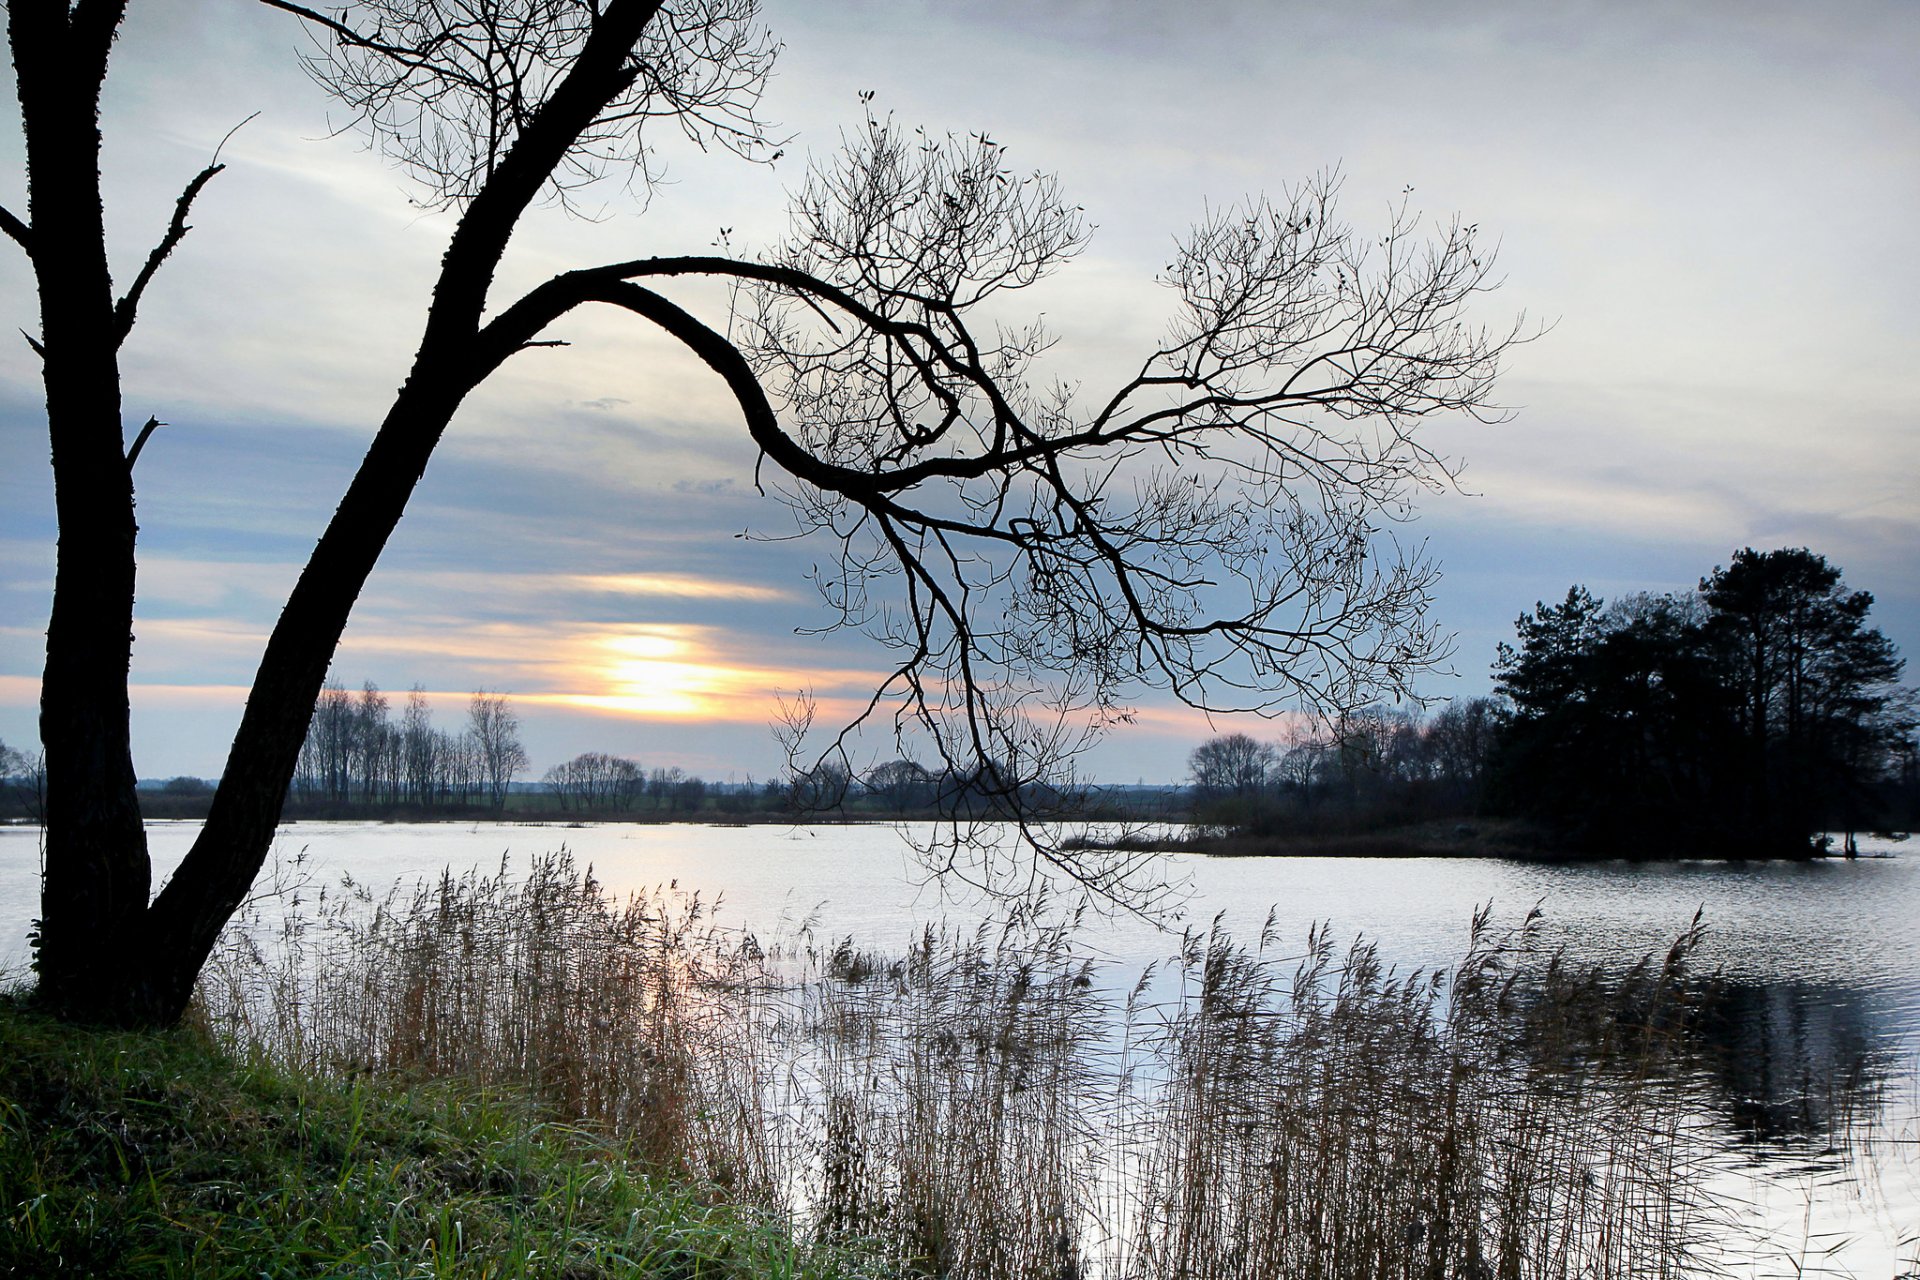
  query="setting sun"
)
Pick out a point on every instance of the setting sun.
point(673, 673)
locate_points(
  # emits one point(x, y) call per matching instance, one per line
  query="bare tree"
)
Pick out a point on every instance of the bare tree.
point(596, 782)
point(1461, 739)
point(496, 737)
point(1232, 764)
point(1304, 762)
point(1210, 526)
point(900, 785)
point(824, 788)
point(13, 764)
point(371, 734)
point(23, 782)
point(418, 747)
point(331, 742)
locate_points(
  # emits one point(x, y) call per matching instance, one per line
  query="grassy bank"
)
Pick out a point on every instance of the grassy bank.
point(134, 1155)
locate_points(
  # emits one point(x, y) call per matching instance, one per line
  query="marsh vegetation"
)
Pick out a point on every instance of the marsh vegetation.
point(989, 1102)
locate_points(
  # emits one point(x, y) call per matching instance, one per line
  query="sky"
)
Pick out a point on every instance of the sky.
point(1708, 207)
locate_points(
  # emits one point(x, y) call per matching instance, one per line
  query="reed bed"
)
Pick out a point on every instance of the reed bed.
point(989, 1104)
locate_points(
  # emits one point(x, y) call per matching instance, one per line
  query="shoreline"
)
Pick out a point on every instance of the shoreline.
point(1508, 839)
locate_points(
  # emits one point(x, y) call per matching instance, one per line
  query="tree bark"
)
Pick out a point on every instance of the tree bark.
point(97, 874)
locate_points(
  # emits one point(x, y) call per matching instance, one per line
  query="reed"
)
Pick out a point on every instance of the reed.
point(990, 1104)
point(1507, 1119)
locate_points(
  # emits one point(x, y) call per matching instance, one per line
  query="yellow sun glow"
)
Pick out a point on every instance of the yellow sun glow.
point(659, 673)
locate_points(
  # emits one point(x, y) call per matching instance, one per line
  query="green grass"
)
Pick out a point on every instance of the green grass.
point(125, 1154)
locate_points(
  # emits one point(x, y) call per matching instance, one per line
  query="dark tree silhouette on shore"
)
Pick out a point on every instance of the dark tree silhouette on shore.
point(1741, 720)
point(1029, 554)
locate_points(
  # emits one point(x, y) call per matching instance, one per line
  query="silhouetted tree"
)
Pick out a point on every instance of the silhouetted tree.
point(1304, 761)
point(23, 782)
point(327, 754)
point(691, 794)
point(372, 751)
point(1233, 764)
point(900, 785)
point(597, 782)
point(13, 763)
point(1232, 779)
point(1041, 563)
point(1814, 686)
point(495, 730)
point(1619, 729)
point(824, 788)
point(1461, 739)
point(1739, 720)
point(420, 755)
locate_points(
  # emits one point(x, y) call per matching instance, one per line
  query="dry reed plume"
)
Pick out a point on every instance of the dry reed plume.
point(986, 1105)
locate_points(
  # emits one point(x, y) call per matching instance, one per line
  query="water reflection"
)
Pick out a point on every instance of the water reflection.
point(1796, 1063)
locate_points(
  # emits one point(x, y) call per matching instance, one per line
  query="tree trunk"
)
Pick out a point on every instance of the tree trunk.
point(103, 952)
point(186, 919)
point(97, 875)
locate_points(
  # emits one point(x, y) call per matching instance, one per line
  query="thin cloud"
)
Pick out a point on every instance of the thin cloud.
point(678, 586)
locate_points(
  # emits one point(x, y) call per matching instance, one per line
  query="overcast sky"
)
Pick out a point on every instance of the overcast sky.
point(1711, 204)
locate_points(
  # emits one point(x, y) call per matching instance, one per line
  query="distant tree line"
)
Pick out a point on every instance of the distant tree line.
point(904, 788)
point(23, 783)
point(595, 782)
point(356, 754)
point(1745, 718)
point(1373, 766)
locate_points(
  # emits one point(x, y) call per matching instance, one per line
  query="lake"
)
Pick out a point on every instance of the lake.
point(1817, 999)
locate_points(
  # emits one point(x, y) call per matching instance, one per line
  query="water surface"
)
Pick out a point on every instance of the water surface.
point(1816, 1000)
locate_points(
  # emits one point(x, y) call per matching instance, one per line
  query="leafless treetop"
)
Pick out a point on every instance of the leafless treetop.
point(445, 87)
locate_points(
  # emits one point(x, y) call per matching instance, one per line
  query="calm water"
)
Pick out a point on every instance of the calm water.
point(1819, 964)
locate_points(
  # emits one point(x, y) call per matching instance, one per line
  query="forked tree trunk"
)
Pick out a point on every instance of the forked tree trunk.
point(104, 952)
point(105, 955)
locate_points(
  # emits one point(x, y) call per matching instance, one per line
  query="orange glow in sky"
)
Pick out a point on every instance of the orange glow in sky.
point(671, 673)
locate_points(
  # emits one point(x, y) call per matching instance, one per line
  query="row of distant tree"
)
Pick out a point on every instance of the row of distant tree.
point(1745, 717)
point(1372, 766)
point(597, 783)
point(359, 755)
point(356, 753)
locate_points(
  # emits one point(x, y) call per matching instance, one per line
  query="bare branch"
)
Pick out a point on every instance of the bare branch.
point(1049, 568)
point(124, 311)
point(16, 229)
point(140, 441)
point(447, 91)
point(1047, 563)
point(345, 34)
